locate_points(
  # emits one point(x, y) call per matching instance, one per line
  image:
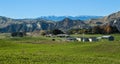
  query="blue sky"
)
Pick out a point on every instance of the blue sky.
point(37, 8)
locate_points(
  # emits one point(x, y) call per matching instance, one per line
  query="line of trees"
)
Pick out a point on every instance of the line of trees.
point(54, 32)
point(105, 29)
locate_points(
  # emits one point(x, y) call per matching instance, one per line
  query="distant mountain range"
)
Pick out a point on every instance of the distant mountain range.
point(59, 18)
point(52, 22)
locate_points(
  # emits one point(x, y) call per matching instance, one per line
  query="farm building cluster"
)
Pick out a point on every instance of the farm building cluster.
point(67, 37)
point(95, 39)
point(82, 39)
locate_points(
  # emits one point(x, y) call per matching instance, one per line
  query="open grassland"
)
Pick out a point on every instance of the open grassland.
point(42, 50)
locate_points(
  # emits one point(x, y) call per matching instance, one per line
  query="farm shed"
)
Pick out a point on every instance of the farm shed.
point(70, 39)
point(63, 35)
point(82, 39)
point(109, 37)
point(93, 39)
point(79, 39)
point(85, 39)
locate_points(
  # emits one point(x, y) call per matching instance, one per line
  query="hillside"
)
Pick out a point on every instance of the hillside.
point(67, 24)
point(30, 25)
point(112, 19)
point(106, 19)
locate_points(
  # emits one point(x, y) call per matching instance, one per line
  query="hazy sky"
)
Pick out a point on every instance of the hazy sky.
point(37, 8)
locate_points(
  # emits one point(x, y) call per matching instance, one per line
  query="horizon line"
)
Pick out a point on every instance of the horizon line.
point(49, 16)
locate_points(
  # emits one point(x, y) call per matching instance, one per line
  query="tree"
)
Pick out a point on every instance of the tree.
point(57, 31)
point(108, 29)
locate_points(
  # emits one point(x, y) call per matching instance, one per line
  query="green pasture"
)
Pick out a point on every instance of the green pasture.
point(42, 50)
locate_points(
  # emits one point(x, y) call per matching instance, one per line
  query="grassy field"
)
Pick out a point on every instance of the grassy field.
point(42, 50)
